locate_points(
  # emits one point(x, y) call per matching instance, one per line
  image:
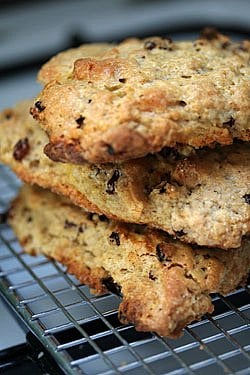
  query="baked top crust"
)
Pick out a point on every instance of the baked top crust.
point(142, 95)
point(202, 199)
point(164, 283)
point(59, 66)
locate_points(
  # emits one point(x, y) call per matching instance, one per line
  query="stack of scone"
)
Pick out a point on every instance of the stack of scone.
point(150, 139)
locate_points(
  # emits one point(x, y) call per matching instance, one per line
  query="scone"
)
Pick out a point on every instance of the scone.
point(141, 95)
point(164, 283)
point(202, 199)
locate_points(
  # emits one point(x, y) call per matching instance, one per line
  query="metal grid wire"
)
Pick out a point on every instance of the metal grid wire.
point(82, 331)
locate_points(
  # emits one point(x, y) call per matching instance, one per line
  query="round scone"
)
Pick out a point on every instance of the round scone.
point(141, 95)
point(203, 198)
point(164, 283)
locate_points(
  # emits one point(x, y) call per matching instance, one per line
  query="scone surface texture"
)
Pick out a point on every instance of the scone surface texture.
point(139, 96)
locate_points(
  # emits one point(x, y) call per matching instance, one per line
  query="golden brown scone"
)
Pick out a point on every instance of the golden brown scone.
point(142, 95)
point(201, 199)
point(164, 283)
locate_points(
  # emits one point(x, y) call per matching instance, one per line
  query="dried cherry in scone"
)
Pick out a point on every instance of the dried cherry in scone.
point(21, 149)
point(115, 238)
point(111, 182)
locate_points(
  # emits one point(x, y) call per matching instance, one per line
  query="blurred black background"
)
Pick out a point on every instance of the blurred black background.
point(31, 31)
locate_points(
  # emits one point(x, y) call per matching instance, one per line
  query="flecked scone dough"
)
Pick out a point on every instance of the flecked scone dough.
point(165, 284)
point(204, 199)
point(59, 65)
point(142, 95)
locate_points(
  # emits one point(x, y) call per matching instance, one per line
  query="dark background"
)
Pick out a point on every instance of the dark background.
point(31, 31)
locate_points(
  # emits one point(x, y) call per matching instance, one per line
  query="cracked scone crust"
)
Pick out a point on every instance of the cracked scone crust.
point(164, 284)
point(203, 199)
point(142, 95)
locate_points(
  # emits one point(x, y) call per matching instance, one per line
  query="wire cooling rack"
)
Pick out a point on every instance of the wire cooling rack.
point(82, 332)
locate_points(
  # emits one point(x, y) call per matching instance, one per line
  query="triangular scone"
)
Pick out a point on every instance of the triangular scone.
point(164, 283)
point(142, 95)
point(201, 199)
